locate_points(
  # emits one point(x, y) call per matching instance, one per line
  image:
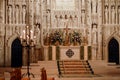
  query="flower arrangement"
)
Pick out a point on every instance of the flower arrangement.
point(56, 37)
point(76, 37)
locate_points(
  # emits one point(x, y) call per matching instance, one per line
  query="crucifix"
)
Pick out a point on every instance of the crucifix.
point(67, 40)
point(66, 29)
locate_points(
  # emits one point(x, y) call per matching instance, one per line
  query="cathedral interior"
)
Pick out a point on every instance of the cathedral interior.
point(47, 30)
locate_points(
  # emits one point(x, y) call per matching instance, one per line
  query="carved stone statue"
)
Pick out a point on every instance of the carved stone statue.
point(70, 23)
point(94, 34)
point(38, 34)
point(119, 14)
point(75, 21)
point(66, 21)
point(24, 15)
point(94, 6)
point(113, 15)
point(55, 21)
point(10, 14)
point(17, 14)
point(83, 17)
point(83, 2)
point(48, 18)
point(106, 14)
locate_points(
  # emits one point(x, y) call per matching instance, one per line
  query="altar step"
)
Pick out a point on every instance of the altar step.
point(74, 68)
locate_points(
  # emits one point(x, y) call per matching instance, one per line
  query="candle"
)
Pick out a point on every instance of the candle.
point(31, 32)
point(23, 34)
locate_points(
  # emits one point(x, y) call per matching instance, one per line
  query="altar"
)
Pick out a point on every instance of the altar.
point(67, 52)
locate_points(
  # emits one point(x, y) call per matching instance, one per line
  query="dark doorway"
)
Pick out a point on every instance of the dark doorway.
point(16, 55)
point(113, 50)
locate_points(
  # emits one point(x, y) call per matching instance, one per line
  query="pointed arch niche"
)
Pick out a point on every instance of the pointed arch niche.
point(113, 51)
point(16, 53)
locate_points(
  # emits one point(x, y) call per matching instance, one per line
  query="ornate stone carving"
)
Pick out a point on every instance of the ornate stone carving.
point(83, 17)
point(94, 33)
point(119, 14)
point(23, 14)
point(69, 53)
point(106, 14)
point(17, 16)
point(113, 15)
point(9, 14)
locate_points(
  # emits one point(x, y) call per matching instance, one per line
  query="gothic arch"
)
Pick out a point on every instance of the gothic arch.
point(8, 49)
point(115, 37)
point(16, 53)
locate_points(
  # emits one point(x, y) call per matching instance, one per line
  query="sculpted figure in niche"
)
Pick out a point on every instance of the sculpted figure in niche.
point(94, 6)
point(10, 14)
point(38, 34)
point(55, 21)
point(48, 17)
point(83, 3)
point(113, 14)
point(17, 14)
point(65, 21)
point(24, 14)
point(75, 21)
point(119, 14)
point(83, 17)
point(94, 33)
point(70, 23)
point(106, 15)
point(61, 24)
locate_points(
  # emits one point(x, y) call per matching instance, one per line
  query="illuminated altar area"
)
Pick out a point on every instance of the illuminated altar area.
point(67, 33)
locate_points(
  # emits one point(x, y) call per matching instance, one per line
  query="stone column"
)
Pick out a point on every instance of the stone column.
point(46, 53)
point(53, 52)
point(24, 53)
point(89, 20)
point(85, 52)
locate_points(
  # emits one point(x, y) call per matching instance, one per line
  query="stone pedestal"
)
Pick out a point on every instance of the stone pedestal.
point(46, 53)
point(53, 52)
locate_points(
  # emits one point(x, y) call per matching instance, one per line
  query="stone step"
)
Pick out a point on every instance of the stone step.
point(74, 67)
point(76, 72)
point(71, 63)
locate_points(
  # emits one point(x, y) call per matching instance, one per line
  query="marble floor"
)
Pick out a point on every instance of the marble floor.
point(102, 71)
